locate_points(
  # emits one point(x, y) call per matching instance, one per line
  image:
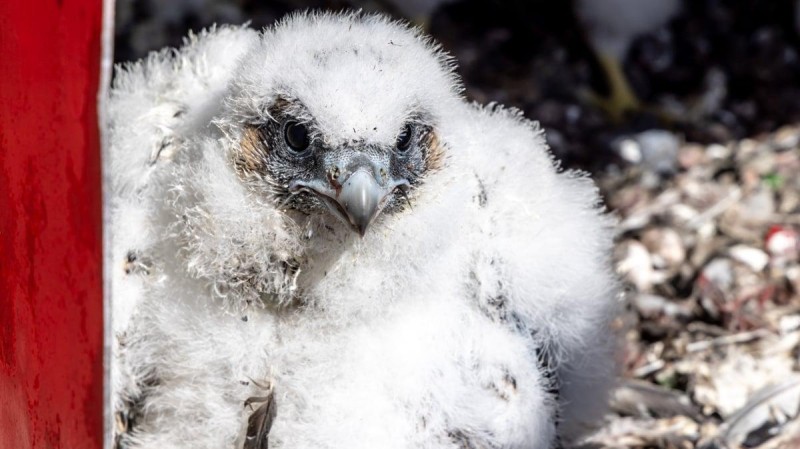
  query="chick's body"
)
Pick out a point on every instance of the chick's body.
point(473, 312)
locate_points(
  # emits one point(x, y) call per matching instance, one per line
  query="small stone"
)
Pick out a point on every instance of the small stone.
point(790, 201)
point(750, 179)
point(706, 231)
point(691, 155)
point(635, 265)
point(720, 273)
point(659, 149)
point(666, 245)
point(754, 258)
point(789, 323)
point(682, 213)
point(746, 148)
point(787, 137)
point(716, 152)
point(650, 179)
point(763, 164)
point(650, 306)
point(630, 151)
point(656, 150)
point(758, 207)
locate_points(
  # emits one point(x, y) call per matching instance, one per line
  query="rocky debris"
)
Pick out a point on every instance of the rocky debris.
point(656, 149)
point(711, 255)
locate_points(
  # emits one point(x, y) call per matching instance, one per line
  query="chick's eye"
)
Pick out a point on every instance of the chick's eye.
point(296, 136)
point(404, 138)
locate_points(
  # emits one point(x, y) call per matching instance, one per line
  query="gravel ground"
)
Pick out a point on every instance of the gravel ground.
point(704, 181)
point(712, 332)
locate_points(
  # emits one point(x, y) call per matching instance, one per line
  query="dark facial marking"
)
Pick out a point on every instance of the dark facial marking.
point(404, 139)
point(284, 149)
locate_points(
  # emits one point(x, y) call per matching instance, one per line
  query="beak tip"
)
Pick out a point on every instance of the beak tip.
point(360, 200)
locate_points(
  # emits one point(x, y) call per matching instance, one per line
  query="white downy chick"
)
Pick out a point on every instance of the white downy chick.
point(311, 222)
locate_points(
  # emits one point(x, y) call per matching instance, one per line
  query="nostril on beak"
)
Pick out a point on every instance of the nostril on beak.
point(333, 175)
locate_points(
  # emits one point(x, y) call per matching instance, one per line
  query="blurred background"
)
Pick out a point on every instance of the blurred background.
point(687, 114)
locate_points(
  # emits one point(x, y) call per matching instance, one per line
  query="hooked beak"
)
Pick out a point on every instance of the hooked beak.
point(361, 198)
point(356, 197)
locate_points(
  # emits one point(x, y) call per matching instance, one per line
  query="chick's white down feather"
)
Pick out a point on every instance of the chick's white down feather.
point(428, 332)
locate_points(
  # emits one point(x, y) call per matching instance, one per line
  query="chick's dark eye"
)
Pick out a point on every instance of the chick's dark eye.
point(404, 138)
point(296, 135)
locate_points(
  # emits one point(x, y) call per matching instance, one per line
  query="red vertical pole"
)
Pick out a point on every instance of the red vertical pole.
point(51, 316)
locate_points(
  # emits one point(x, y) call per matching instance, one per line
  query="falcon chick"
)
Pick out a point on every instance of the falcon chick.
point(321, 244)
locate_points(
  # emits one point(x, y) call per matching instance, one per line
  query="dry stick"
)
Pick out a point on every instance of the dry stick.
point(743, 337)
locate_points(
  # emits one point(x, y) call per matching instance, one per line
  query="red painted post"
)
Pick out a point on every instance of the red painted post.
point(51, 312)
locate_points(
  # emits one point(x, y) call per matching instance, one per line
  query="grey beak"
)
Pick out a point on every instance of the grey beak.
point(355, 194)
point(360, 198)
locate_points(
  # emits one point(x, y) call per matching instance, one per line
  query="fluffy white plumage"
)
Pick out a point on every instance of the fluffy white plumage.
point(476, 318)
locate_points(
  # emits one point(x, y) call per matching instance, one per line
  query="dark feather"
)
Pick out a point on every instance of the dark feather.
point(465, 440)
point(260, 421)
